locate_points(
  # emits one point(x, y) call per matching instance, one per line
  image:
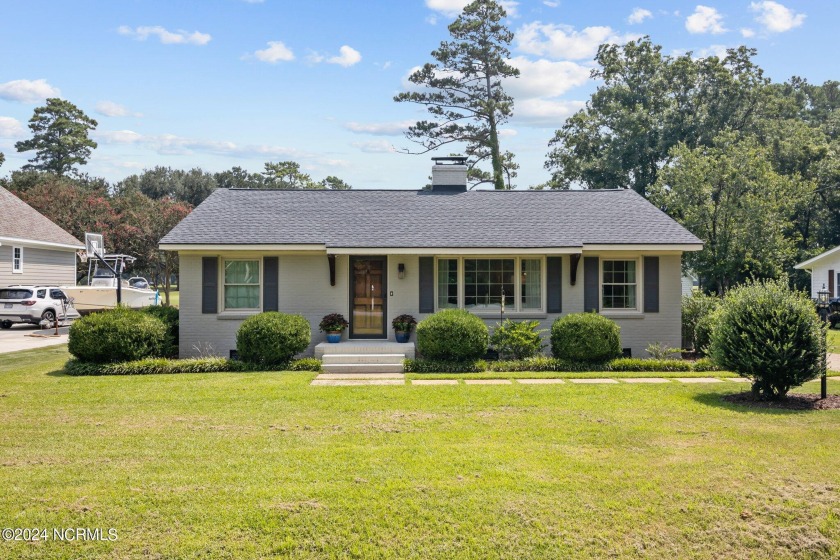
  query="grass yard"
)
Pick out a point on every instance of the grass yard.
point(264, 465)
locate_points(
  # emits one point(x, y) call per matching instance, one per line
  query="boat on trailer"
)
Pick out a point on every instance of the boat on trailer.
point(104, 274)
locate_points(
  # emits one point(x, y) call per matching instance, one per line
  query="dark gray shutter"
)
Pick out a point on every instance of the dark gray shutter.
point(270, 284)
point(831, 283)
point(427, 284)
point(651, 284)
point(209, 284)
point(554, 269)
point(591, 299)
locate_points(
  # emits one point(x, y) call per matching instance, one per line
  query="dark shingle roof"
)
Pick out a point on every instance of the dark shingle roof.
point(417, 219)
point(20, 221)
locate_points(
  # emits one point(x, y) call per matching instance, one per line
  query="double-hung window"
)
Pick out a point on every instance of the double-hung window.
point(242, 284)
point(484, 284)
point(17, 260)
point(619, 284)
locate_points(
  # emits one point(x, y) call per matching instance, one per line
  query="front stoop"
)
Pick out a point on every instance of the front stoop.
point(363, 357)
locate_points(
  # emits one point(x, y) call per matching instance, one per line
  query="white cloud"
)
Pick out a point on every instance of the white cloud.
point(27, 91)
point(275, 52)
point(375, 147)
point(545, 112)
point(165, 36)
point(348, 57)
point(775, 17)
point(507, 132)
point(551, 4)
point(712, 50)
point(111, 109)
point(747, 32)
point(394, 128)
point(453, 8)
point(563, 41)
point(545, 78)
point(171, 144)
point(705, 20)
point(10, 128)
point(639, 15)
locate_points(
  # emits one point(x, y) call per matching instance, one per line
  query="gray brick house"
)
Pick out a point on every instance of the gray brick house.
point(375, 254)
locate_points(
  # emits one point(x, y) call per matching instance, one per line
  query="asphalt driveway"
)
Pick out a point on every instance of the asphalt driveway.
point(20, 337)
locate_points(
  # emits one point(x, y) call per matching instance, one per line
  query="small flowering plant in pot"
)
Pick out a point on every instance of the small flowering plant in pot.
point(333, 324)
point(403, 325)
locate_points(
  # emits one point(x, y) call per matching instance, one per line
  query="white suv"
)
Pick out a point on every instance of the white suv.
point(33, 304)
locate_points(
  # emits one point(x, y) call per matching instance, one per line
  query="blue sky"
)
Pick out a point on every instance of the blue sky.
point(220, 83)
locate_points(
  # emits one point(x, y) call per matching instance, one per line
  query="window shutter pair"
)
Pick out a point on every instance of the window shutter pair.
point(210, 284)
point(591, 282)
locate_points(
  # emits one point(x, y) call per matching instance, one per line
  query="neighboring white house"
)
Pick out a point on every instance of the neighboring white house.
point(375, 254)
point(825, 272)
point(33, 250)
point(689, 282)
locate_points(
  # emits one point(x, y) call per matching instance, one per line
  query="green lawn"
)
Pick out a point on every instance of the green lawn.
point(174, 297)
point(264, 465)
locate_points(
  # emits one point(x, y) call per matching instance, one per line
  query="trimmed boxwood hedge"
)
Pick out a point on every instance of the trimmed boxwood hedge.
point(170, 317)
point(585, 337)
point(452, 335)
point(272, 338)
point(152, 366)
point(117, 335)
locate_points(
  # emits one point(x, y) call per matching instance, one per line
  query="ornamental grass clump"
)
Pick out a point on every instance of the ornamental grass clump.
point(517, 340)
point(770, 334)
point(452, 335)
point(272, 338)
point(585, 337)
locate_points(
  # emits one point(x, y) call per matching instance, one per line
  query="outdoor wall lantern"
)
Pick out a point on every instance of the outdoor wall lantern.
point(401, 270)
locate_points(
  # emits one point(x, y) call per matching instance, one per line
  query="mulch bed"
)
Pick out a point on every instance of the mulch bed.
point(793, 401)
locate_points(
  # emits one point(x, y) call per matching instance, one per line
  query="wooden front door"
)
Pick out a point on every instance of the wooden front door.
point(368, 299)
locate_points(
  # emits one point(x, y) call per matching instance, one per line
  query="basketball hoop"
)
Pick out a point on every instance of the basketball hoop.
point(93, 245)
point(83, 257)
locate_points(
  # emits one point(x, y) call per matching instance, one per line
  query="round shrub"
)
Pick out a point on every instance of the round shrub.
point(452, 334)
point(272, 338)
point(703, 332)
point(117, 335)
point(770, 334)
point(695, 308)
point(170, 317)
point(585, 337)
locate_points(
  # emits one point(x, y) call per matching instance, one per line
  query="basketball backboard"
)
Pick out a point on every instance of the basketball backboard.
point(94, 244)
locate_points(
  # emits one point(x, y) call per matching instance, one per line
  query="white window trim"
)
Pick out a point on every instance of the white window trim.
point(639, 283)
point(19, 268)
point(517, 267)
point(239, 310)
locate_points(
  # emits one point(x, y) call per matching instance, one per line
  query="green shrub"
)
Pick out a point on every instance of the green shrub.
point(585, 337)
point(117, 335)
point(703, 331)
point(661, 351)
point(154, 366)
point(170, 317)
point(834, 318)
point(544, 363)
point(272, 338)
point(517, 339)
point(441, 366)
point(694, 308)
point(452, 335)
point(770, 334)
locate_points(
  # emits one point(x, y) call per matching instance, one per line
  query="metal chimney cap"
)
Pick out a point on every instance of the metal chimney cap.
point(453, 160)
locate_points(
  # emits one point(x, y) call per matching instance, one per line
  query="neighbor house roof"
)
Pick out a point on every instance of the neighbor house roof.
point(426, 219)
point(809, 264)
point(21, 222)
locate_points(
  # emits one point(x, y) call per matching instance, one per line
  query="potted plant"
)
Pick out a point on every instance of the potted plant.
point(403, 325)
point(333, 324)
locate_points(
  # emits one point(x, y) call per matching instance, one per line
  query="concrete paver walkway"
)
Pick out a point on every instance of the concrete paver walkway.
point(19, 337)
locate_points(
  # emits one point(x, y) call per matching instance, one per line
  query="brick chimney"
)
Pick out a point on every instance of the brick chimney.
point(449, 174)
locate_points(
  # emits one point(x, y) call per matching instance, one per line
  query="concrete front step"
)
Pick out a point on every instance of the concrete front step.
point(361, 376)
point(362, 368)
point(365, 347)
point(362, 359)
